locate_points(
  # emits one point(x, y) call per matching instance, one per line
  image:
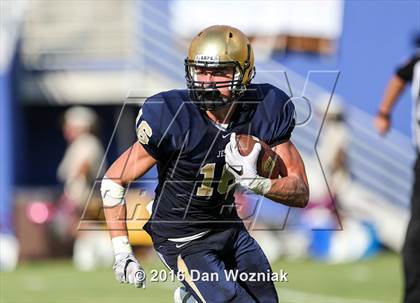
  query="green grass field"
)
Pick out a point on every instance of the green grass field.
point(370, 281)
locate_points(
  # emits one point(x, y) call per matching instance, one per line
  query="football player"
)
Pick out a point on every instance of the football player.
point(190, 136)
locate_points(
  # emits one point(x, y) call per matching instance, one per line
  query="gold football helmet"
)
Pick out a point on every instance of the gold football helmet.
point(220, 47)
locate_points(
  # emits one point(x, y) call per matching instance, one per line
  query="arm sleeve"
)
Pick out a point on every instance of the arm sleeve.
point(406, 70)
point(283, 117)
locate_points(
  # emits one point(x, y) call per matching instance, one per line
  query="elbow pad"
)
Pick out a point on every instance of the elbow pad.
point(112, 193)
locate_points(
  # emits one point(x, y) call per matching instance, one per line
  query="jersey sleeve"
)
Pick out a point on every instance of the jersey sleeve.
point(279, 113)
point(158, 127)
point(405, 71)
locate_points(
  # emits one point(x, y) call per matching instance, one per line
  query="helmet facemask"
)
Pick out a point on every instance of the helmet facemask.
point(206, 94)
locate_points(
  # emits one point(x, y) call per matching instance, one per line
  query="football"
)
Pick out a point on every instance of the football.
point(269, 164)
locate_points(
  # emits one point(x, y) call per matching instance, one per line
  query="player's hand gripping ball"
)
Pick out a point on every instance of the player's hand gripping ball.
point(269, 164)
point(252, 162)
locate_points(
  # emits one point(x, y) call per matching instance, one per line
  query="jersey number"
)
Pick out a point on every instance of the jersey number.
point(144, 131)
point(205, 190)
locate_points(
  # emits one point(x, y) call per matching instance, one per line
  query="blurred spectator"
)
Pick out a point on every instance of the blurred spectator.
point(332, 155)
point(78, 170)
point(82, 160)
point(405, 73)
point(333, 144)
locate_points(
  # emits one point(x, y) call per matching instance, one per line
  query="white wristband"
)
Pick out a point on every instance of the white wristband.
point(260, 185)
point(121, 245)
point(112, 193)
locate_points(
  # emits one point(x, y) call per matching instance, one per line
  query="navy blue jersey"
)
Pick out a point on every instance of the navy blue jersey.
point(195, 192)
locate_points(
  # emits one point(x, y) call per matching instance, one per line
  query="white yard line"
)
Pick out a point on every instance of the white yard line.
point(298, 296)
point(293, 295)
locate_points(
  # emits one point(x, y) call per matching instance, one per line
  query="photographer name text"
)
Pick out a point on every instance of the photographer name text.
point(228, 275)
